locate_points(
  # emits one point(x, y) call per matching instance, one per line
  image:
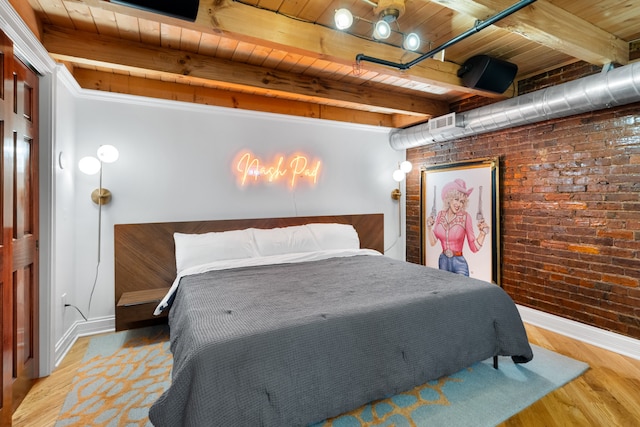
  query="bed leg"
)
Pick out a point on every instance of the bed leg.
point(495, 362)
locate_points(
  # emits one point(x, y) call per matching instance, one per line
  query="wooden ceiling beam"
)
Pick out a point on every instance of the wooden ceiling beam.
point(92, 49)
point(266, 28)
point(550, 26)
point(119, 83)
point(242, 22)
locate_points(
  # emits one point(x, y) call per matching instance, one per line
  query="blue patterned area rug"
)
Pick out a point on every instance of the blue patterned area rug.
point(124, 373)
point(121, 376)
point(477, 396)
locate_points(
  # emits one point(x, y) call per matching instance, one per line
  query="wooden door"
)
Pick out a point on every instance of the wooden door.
point(19, 216)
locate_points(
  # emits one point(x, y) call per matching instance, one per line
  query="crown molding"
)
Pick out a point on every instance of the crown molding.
point(25, 44)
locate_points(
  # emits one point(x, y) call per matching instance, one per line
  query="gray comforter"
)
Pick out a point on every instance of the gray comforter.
point(291, 344)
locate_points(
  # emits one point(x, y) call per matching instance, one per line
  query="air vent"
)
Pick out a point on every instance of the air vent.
point(448, 121)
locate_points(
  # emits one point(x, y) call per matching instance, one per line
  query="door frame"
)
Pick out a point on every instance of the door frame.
point(30, 51)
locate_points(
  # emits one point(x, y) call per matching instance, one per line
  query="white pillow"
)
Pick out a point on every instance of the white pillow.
point(335, 236)
point(198, 249)
point(285, 240)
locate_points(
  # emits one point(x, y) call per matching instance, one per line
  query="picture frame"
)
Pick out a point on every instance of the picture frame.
point(446, 241)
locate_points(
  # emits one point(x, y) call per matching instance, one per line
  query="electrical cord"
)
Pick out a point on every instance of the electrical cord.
point(93, 288)
point(392, 245)
point(95, 278)
point(71, 305)
point(95, 281)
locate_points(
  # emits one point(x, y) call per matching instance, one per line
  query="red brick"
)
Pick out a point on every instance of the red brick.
point(621, 280)
point(584, 249)
point(569, 209)
point(617, 234)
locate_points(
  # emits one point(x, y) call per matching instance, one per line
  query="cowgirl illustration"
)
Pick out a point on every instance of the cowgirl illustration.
point(452, 225)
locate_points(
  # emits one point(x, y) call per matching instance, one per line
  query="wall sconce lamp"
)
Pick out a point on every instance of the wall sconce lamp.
point(100, 196)
point(91, 165)
point(399, 175)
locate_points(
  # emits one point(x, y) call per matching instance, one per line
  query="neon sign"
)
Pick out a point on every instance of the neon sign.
point(292, 169)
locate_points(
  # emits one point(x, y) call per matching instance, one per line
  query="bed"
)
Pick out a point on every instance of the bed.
point(296, 320)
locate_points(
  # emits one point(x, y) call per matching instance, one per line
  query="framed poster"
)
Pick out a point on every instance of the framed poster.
point(460, 218)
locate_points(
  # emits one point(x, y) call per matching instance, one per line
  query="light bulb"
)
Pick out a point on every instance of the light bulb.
point(108, 153)
point(398, 175)
point(411, 41)
point(381, 30)
point(89, 165)
point(343, 19)
point(406, 166)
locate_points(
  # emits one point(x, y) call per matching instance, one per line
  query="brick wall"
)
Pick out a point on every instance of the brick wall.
point(569, 212)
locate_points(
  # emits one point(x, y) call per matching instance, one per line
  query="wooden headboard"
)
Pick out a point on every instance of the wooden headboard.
point(145, 258)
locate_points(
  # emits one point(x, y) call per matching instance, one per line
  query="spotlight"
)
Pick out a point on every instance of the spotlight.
point(411, 41)
point(343, 19)
point(381, 30)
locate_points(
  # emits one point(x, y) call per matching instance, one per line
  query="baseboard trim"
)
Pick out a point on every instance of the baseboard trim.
point(599, 337)
point(81, 329)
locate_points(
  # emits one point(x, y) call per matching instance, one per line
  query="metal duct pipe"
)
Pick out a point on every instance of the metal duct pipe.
point(618, 86)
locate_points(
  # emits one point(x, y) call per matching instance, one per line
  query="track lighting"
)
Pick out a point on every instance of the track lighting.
point(387, 12)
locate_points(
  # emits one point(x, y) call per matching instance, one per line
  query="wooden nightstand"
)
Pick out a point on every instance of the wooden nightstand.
point(135, 309)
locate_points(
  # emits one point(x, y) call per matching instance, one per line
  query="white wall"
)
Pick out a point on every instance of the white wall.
point(176, 164)
point(63, 201)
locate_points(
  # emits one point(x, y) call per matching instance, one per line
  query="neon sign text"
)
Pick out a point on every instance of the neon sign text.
point(249, 168)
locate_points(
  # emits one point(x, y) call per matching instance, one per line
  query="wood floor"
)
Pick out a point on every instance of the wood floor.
point(608, 394)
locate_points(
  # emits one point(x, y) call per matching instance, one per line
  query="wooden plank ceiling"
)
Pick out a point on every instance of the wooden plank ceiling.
point(287, 57)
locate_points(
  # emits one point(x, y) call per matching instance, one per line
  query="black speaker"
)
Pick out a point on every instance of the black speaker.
point(486, 73)
point(183, 9)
